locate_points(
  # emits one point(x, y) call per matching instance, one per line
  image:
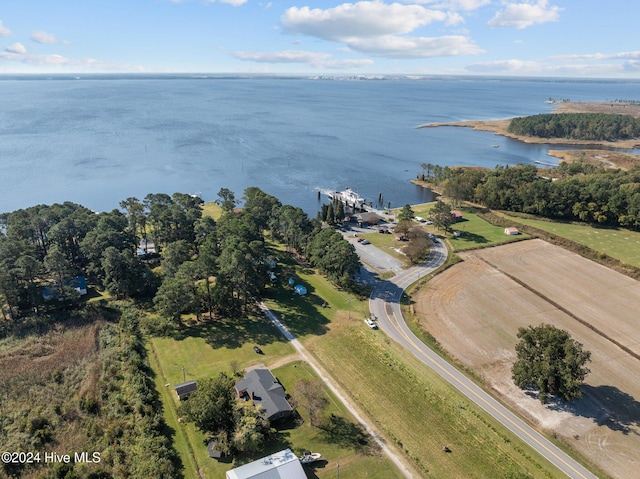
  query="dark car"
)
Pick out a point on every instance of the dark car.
point(258, 350)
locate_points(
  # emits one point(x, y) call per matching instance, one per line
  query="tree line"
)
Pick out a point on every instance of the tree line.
point(577, 126)
point(571, 192)
point(206, 266)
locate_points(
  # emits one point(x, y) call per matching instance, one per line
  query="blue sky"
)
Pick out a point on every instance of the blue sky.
point(559, 38)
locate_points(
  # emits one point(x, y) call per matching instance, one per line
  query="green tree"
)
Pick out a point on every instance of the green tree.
point(61, 269)
point(226, 200)
point(173, 255)
point(406, 213)
point(211, 407)
point(549, 360)
point(250, 428)
point(441, 215)
point(174, 297)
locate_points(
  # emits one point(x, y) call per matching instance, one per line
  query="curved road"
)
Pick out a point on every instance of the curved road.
point(384, 304)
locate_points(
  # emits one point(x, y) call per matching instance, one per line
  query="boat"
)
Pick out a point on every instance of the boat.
point(308, 457)
point(348, 197)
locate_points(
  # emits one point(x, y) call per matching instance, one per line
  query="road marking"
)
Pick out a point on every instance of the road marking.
point(469, 391)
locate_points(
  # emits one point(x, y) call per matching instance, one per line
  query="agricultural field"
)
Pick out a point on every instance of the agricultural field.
point(474, 310)
point(618, 243)
point(414, 409)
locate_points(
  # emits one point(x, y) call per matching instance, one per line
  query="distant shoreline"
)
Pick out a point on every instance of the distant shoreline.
point(622, 160)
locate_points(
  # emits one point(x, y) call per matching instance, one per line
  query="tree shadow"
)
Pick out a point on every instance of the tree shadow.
point(231, 333)
point(468, 237)
point(347, 434)
point(607, 406)
point(301, 314)
point(311, 468)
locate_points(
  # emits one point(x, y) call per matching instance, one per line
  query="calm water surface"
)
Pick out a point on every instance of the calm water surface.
point(97, 141)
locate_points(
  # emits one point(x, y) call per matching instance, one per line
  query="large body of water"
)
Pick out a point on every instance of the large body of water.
point(98, 140)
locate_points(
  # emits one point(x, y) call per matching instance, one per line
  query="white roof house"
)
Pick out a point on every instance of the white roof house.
point(280, 465)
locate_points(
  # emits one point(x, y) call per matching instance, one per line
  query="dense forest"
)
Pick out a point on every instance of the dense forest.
point(570, 192)
point(199, 266)
point(578, 126)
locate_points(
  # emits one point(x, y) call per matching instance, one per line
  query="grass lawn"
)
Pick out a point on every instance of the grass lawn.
point(206, 359)
point(410, 404)
point(389, 244)
point(476, 232)
point(418, 411)
point(212, 209)
point(618, 243)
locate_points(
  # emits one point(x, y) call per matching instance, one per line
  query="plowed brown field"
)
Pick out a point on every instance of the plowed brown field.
point(475, 308)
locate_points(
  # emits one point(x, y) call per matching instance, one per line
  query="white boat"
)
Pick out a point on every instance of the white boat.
point(348, 197)
point(309, 456)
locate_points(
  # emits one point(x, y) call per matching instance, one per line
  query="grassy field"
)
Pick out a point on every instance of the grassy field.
point(206, 359)
point(212, 209)
point(475, 232)
point(618, 243)
point(410, 404)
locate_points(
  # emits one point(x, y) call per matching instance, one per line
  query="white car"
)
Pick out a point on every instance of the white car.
point(371, 324)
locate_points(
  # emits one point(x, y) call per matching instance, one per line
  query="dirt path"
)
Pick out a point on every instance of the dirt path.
point(302, 353)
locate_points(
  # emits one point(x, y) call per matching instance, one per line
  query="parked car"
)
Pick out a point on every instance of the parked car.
point(364, 241)
point(371, 324)
point(360, 240)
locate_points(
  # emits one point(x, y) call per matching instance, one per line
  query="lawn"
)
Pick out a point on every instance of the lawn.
point(212, 209)
point(418, 411)
point(206, 359)
point(414, 408)
point(618, 243)
point(474, 231)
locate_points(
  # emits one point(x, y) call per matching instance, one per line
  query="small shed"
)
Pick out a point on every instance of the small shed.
point(214, 450)
point(512, 230)
point(300, 289)
point(457, 215)
point(184, 390)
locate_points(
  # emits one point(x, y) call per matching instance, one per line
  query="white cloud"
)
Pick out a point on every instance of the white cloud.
point(380, 29)
point(16, 48)
point(4, 31)
point(523, 15)
point(532, 68)
point(601, 56)
point(315, 59)
point(467, 5)
point(505, 66)
point(63, 63)
point(285, 56)
point(415, 47)
point(47, 38)
point(362, 19)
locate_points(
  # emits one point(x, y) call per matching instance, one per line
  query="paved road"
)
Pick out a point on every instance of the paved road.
point(384, 304)
point(322, 374)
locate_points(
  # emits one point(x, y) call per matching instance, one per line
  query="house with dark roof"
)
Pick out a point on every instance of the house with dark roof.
point(184, 390)
point(260, 386)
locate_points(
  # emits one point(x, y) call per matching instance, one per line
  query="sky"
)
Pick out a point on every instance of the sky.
point(546, 38)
